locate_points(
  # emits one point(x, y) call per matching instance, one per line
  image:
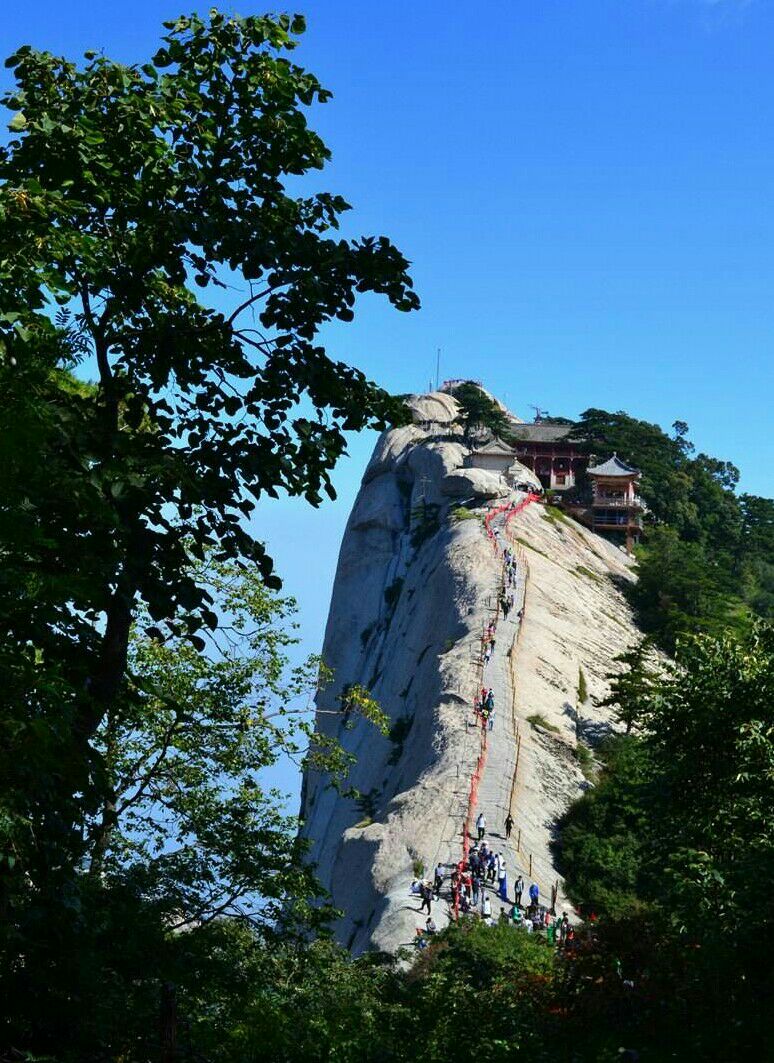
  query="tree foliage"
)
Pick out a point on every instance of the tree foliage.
point(632, 686)
point(164, 276)
point(122, 192)
point(680, 833)
point(478, 411)
point(705, 557)
point(188, 833)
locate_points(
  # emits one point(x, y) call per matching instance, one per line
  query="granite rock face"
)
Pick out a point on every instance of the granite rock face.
point(415, 586)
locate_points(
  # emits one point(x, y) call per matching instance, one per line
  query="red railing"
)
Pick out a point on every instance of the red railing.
point(511, 510)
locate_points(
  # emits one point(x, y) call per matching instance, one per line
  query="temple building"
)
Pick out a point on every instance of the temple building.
point(549, 450)
point(616, 508)
point(499, 457)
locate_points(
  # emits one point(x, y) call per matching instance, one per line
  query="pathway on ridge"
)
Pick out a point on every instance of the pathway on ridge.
point(495, 788)
point(494, 791)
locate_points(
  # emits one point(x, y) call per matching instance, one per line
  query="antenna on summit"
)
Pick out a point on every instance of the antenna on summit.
point(437, 368)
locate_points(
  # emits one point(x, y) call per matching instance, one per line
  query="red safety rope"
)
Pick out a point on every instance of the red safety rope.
point(510, 510)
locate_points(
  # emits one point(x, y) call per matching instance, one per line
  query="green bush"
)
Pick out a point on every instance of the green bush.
point(537, 719)
point(585, 759)
point(583, 692)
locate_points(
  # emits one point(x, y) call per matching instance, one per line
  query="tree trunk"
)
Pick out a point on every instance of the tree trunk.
point(108, 675)
point(168, 1023)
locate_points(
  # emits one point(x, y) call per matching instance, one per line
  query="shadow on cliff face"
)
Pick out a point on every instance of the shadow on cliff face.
point(362, 911)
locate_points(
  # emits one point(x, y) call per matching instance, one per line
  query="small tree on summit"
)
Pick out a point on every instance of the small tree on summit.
point(477, 411)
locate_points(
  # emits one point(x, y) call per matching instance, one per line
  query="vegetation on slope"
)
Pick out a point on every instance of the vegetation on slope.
point(707, 557)
point(674, 847)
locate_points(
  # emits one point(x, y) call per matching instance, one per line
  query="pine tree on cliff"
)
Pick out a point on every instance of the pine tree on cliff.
point(478, 411)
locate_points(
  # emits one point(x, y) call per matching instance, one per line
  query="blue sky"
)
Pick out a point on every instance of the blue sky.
point(585, 192)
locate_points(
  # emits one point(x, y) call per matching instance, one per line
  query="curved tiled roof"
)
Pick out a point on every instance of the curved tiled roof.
point(496, 446)
point(541, 433)
point(612, 467)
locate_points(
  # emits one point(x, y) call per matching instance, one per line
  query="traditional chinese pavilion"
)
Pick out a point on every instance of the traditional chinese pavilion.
point(615, 504)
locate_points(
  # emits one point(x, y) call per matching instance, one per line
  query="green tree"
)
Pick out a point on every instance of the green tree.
point(145, 408)
point(582, 692)
point(754, 563)
point(632, 686)
point(123, 191)
point(711, 734)
point(680, 590)
point(478, 411)
point(188, 834)
point(676, 847)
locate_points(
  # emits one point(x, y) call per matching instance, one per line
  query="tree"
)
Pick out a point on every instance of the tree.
point(694, 521)
point(478, 411)
point(582, 692)
point(188, 834)
point(680, 590)
point(145, 408)
point(711, 734)
point(632, 687)
point(134, 200)
point(675, 846)
point(123, 187)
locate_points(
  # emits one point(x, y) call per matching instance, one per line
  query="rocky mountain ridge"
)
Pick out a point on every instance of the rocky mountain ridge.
point(417, 584)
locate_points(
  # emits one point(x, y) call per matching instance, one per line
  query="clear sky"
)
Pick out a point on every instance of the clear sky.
point(584, 188)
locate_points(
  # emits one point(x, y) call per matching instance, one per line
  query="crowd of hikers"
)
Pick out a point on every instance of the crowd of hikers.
point(472, 886)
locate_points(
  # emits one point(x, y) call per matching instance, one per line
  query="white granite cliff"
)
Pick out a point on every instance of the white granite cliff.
point(408, 608)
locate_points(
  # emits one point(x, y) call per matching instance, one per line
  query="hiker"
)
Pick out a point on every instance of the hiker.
point(476, 891)
point(490, 700)
point(503, 918)
point(438, 882)
point(520, 614)
point(481, 825)
point(490, 719)
point(491, 867)
point(534, 894)
point(502, 882)
point(508, 826)
point(519, 889)
point(486, 907)
point(427, 898)
point(430, 927)
point(564, 928)
point(516, 915)
point(487, 655)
